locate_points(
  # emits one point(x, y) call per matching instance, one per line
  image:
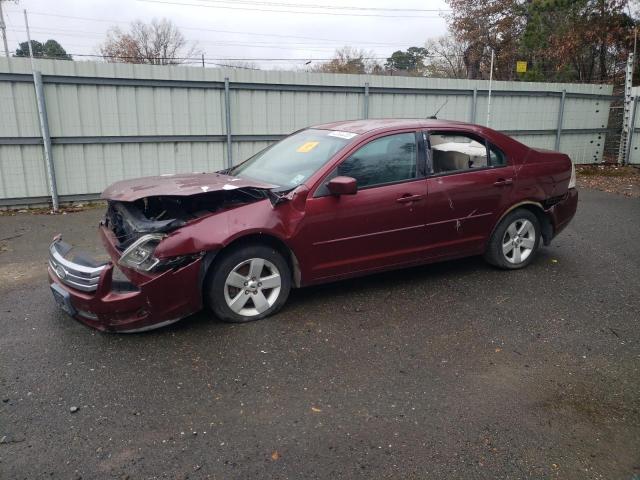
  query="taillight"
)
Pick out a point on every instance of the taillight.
point(572, 180)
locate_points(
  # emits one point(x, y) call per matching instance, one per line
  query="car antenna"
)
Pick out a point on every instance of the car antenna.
point(435, 115)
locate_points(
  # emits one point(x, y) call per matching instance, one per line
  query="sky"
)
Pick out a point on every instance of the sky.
point(291, 32)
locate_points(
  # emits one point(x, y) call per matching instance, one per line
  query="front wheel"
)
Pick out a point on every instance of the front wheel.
point(514, 241)
point(248, 283)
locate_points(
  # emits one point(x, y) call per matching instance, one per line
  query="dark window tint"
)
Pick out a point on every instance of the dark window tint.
point(496, 157)
point(384, 160)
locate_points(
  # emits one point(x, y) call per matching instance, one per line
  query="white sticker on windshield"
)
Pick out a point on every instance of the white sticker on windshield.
point(339, 134)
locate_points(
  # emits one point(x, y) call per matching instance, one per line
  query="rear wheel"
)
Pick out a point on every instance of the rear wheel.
point(514, 241)
point(248, 283)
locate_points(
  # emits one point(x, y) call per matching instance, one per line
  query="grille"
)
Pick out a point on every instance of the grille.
point(76, 275)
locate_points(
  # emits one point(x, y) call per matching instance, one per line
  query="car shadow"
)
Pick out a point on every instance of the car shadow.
point(370, 284)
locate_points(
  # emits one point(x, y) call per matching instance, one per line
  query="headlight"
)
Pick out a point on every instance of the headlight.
point(140, 254)
point(572, 180)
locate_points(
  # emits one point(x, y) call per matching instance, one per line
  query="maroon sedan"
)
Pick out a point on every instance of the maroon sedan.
point(326, 203)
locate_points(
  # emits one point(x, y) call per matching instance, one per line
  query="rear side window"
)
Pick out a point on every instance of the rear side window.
point(388, 159)
point(458, 152)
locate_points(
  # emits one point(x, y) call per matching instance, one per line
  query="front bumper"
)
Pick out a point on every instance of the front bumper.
point(150, 300)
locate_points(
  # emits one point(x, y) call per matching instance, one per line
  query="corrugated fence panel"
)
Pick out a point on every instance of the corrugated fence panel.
point(114, 121)
point(22, 171)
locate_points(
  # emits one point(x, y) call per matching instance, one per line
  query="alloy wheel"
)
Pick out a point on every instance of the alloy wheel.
point(252, 287)
point(518, 241)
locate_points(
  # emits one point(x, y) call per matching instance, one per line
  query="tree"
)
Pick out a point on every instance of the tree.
point(446, 58)
point(157, 43)
point(409, 62)
point(49, 49)
point(349, 60)
point(567, 40)
point(584, 40)
point(486, 25)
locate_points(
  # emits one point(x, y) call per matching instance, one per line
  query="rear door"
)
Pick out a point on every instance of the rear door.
point(470, 182)
point(382, 224)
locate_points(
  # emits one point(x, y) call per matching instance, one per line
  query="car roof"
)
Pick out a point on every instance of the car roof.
point(365, 126)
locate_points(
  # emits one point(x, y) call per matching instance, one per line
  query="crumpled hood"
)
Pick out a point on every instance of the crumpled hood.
point(177, 185)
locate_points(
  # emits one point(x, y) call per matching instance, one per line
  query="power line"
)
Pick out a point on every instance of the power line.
point(253, 9)
point(328, 7)
point(267, 45)
point(239, 59)
point(238, 32)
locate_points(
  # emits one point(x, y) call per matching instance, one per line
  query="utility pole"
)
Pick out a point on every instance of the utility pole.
point(3, 27)
point(44, 122)
point(629, 103)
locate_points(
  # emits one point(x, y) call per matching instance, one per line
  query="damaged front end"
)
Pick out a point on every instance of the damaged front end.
point(136, 290)
point(139, 226)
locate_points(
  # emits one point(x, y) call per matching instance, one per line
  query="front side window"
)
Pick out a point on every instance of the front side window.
point(388, 159)
point(458, 152)
point(295, 158)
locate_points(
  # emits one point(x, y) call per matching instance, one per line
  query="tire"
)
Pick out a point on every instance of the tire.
point(235, 288)
point(521, 225)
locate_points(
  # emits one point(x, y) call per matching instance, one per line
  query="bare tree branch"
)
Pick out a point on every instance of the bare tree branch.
point(156, 43)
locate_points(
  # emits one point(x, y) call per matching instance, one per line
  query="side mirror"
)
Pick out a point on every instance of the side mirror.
point(342, 186)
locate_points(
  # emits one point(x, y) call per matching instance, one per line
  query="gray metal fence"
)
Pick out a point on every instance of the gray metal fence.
point(113, 121)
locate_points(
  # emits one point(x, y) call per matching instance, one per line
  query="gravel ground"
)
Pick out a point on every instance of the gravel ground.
point(454, 370)
point(610, 178)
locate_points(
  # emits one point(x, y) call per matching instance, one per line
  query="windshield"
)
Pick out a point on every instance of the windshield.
point(295, 158)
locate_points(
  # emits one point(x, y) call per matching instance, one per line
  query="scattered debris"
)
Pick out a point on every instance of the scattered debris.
point(610, 178)
point(316, 409)
point(74, 409)
point(275, 455)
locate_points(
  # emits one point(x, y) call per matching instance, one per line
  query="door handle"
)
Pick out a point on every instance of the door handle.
point(501, 182)
point(409, 198)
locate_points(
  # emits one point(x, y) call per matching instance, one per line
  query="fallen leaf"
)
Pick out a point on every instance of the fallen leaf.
point(498, 350)
point(275, 455)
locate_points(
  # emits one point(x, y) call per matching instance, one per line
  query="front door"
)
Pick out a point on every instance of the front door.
point(381, 225)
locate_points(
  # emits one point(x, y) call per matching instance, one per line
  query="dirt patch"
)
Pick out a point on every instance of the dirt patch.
point(594, 406)
point(610, 178)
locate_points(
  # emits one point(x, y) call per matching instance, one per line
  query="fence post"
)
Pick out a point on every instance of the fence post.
point(366, 99)
point(474, 106)
point(44, 122)
point(227, 116)
point(560, 120)
point(632, 126)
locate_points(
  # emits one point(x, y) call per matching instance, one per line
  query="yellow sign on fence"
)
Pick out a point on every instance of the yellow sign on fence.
point(521, 67)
